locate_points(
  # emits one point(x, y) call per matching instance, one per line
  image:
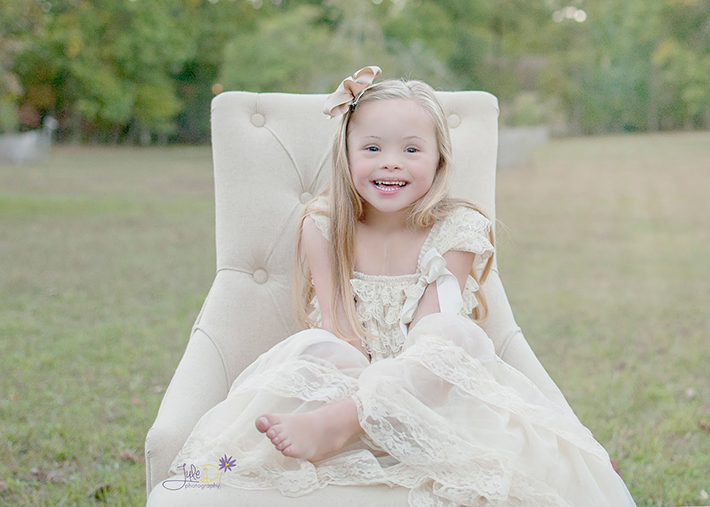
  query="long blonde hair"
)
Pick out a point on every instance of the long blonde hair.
point(346, 208)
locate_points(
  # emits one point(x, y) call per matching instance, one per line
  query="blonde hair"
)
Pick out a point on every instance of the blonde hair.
point(346, 208)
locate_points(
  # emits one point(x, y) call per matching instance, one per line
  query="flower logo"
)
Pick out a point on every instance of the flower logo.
point(226, 463)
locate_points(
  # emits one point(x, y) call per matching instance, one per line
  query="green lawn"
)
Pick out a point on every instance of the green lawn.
point(107, 254)
point(605, 253)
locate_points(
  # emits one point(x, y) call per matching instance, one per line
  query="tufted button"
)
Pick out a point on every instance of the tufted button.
point(258, 120)
point(454, 121)
point(260, 276)
point(306, 196)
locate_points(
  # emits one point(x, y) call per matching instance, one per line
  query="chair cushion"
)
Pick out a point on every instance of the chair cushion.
point(340, 496)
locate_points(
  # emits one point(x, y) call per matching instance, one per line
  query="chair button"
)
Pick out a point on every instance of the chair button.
point(260, 276)
point(454, 121)
point(258, 120)
point(306, 196)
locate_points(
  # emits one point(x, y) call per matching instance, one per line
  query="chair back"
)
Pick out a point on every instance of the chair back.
point(271, 154)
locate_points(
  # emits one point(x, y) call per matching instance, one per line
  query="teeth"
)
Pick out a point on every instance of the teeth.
point(390, 183)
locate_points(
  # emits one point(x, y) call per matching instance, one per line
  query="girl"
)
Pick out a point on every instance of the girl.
point(394, 382)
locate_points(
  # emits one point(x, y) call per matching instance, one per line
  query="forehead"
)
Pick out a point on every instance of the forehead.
point(398, 115)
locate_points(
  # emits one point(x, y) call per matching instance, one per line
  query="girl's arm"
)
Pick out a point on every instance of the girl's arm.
point(317, 250)
point(460, 264)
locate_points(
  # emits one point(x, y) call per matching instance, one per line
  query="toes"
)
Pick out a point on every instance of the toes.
point(281, 442)
point(263, 423)
point(275, 431)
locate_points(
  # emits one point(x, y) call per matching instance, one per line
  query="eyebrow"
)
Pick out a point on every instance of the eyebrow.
point(405, 138)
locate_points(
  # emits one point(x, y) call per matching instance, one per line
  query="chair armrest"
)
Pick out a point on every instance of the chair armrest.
point(520, 356)
point(199, 383)
point(510, 344)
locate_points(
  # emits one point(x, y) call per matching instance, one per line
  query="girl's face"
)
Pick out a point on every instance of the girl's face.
point(393, 153)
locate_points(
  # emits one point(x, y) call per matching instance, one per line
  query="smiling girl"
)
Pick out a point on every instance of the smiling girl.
point(394, 382)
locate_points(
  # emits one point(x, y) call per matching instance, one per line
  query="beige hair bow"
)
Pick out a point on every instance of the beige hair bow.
point(350, 90)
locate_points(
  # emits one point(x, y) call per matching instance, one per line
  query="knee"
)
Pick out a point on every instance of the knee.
point(462, 331)
point(338, 352)
point(323, 349)
point(453, 325)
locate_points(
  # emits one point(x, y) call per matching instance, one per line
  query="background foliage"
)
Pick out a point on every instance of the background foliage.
point(115, 71)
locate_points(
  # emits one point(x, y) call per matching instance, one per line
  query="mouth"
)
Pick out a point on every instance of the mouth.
point(389, 185)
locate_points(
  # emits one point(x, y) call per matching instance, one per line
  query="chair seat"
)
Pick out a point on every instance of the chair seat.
point(340, 496)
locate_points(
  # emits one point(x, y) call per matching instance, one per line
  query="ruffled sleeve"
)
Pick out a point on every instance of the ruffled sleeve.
point(466, 230)
point(318, 210)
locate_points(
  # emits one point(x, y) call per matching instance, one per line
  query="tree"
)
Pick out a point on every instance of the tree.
point(634, 65)
point(17, 20)
point(310, 47)
point(107, 64)
point(123, 70)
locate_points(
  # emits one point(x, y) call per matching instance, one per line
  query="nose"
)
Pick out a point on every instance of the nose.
point(391, 161)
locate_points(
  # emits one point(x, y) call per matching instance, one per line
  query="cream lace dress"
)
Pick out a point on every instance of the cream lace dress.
point(442, 415)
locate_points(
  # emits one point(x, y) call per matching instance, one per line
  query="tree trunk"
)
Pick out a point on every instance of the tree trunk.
point(75, 122)
point(652, 111)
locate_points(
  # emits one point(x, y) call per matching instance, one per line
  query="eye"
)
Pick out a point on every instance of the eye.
point(412, 150)
point(372, 148)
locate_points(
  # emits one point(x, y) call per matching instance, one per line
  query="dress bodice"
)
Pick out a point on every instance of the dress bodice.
point(385, 304)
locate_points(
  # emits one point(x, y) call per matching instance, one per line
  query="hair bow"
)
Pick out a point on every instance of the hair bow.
point(350, 90)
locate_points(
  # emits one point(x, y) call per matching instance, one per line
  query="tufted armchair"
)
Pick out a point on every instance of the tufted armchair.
point(271, 155)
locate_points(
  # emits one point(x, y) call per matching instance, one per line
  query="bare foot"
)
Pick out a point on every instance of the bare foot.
point(312, 435)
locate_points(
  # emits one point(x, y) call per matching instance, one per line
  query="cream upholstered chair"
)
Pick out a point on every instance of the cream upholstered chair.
point(271, 155)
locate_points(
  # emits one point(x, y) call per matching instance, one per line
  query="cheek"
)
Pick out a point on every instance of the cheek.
point(428, 170)
point(355, 177)
point(358, 170)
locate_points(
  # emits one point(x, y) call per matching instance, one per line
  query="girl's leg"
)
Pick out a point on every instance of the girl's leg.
point(321, 432)
point(313, 435)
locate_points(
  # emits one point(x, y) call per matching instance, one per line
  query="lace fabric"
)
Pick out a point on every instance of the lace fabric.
point(445, 419)
point(441, 415)
point(380, 298)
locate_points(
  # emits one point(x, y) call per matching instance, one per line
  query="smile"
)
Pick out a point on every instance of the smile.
point(389, 185)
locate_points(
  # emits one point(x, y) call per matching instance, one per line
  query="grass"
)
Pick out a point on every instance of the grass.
point(605, 260)
point(106, 258)
point(107, 254)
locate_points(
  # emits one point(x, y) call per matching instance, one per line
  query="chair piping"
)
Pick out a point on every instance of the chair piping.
point(219, 353)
